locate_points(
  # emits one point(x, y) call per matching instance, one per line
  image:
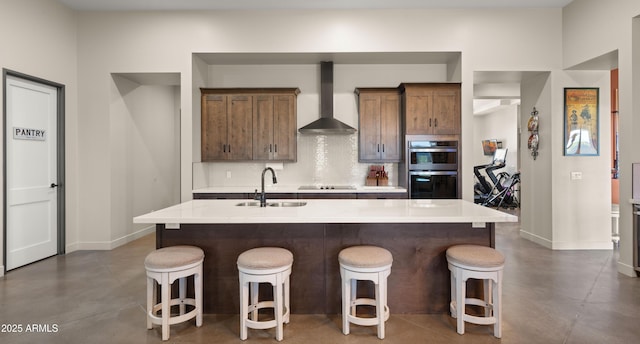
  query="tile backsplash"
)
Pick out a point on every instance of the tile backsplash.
point(322, 159)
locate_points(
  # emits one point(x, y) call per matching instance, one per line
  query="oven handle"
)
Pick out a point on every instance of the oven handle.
point(433, 173)
point(430, 150)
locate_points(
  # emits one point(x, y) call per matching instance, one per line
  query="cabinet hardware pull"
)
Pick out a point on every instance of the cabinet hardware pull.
point(275, 148)
point(270, 148)
point(224, 148)
point(429, 122)
point(436, 123)
point(383, 148)
point(378, 148)
point(229, 148)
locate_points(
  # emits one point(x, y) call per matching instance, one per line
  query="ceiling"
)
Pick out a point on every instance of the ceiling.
point(140, 5)
point(339, 58)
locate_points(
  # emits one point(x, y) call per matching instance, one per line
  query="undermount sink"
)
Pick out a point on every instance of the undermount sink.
point(272, 204)
point(248, 204)
point(287, 204)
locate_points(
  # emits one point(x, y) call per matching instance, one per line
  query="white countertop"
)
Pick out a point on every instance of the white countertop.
point(295, 189)
point(329, 211)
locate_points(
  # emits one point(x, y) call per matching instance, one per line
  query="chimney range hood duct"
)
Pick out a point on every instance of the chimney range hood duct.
point(326, 124)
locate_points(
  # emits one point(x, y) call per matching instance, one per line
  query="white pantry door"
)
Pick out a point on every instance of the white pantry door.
point(31, 168)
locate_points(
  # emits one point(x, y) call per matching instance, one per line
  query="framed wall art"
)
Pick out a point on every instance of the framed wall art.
point(489, 146)
point(581, 117)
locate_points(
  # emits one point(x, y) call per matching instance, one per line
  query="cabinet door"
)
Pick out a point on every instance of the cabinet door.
point(285, 126)
point(274, 128)
point(419, 112)
point(240, 129)
point(328, 195)
point(369, 127)
point(446, 109)
point(214, 127)
point(390, 128)
point(382, 195)
point(208, 195)
point(263, 126)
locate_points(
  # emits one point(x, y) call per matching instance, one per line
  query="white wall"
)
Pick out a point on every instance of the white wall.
point(38, 38)
point(536, 196)
point(582, 207)
point(578, 216)
point(584, 41)
point(145, 169)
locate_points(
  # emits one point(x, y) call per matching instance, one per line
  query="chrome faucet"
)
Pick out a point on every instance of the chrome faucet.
point(263, 197)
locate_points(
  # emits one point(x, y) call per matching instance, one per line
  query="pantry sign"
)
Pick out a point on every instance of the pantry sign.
point(29, 134)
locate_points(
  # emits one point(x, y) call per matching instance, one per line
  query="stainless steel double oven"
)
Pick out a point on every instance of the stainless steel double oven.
point(433, 168)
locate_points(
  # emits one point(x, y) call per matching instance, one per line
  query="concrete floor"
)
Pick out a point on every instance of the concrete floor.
point(99, 297)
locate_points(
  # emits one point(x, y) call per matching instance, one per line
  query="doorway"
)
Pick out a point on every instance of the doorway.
point(496, 128)
point(33, 161)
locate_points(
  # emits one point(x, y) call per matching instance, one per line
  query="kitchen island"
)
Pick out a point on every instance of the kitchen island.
point(417, 232)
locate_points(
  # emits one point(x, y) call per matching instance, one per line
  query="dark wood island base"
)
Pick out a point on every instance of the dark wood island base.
point(419, 281)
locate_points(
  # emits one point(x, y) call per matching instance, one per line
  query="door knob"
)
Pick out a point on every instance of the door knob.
point(54, 185)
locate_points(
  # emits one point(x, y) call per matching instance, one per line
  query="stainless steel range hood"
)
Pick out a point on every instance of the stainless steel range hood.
point(326, 124)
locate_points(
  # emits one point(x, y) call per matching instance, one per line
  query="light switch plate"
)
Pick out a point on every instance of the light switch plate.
point(576, 175)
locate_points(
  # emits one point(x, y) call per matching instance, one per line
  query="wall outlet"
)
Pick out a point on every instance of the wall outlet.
point(576, 175)
point(228, 174)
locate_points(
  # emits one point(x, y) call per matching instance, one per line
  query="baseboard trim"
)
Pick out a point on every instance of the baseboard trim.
point(1, 270)
point(627, 270)
point(537, 239)
point(591, 245)
point(133, 236)
point(109, 245)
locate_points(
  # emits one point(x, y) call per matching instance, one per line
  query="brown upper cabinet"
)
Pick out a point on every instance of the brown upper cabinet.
point(274, 127)
point(431, 108)
point(248, 124)
point(379, 124)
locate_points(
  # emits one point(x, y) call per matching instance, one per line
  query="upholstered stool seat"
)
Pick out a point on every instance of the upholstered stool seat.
point(364, 263)
point(476, 262)
point(264, 265)
point(163, 267)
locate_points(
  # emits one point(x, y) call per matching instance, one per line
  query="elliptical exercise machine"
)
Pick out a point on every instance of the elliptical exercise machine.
point(500, 190)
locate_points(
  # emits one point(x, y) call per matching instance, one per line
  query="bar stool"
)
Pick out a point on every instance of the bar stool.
point(163, 267)
point(477, 262)
point(364, 263)
point(264, 265)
